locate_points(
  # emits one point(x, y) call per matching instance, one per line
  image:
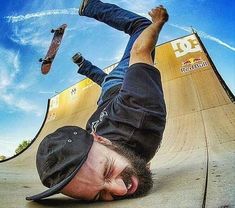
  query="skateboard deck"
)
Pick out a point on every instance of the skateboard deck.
point(52, 51)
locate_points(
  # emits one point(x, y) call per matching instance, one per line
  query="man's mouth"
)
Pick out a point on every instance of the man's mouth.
point(132, 185)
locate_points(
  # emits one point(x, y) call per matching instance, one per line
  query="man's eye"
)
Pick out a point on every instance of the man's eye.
point(97, 198)
point(109, 171)
point(106, 173)
point(109, 174)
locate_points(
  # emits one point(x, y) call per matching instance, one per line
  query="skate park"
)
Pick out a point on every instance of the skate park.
point(194, 166)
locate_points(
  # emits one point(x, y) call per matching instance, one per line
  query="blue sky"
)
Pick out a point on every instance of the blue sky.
point(25, 37)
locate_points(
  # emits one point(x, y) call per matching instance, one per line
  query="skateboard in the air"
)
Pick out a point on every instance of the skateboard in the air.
point(51, 53)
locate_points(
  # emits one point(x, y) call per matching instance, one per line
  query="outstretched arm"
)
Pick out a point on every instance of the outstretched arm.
point(145, 43)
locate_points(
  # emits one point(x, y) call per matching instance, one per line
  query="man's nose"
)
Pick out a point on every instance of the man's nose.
point(117, 187)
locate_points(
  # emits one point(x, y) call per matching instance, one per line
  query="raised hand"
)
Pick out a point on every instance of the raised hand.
point(159, 15)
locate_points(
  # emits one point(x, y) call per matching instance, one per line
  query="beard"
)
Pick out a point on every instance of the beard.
point(137, 168)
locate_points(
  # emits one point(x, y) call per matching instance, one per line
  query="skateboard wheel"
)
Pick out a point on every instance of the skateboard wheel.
point(40, 60)
point(52, 31)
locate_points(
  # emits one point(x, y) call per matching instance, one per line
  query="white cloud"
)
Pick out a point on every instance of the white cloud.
point(217, 40)
point(30, 35)
point(9, 69)
point(137, 6)
point(115, 58)
point(47, 92)
point(30, 30)
point(5, 79)
point(204, 35)
point(8, 146)
point(23, 86)
point(141, 7)
point(185, 28)
point(19, 18)
point(19, 104)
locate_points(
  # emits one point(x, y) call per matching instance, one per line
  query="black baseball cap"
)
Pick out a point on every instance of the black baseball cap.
point(59, 157)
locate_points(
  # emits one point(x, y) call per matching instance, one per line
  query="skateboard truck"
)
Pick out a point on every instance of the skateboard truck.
point(60, 30)
point(47, 60)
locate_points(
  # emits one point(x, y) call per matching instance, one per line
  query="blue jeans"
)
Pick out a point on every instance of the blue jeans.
point(92, 72)
point(122, 20)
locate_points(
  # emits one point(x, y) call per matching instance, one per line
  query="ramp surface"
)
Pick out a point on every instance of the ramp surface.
point(194, 166)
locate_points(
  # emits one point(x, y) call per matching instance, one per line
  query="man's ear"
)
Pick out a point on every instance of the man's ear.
point(101, 139)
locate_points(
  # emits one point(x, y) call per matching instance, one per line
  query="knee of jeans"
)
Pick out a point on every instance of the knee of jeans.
point(141, 24)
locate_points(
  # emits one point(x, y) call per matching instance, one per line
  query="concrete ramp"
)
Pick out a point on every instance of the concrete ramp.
point(195, 166)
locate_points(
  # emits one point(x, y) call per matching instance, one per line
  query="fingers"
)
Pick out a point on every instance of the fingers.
point(159, 13)
point(156, 9)
point(160, 7)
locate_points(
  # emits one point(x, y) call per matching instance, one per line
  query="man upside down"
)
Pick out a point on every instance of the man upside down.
point(109, 160)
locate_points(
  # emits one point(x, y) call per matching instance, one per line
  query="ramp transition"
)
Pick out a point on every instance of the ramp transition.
point(194, 166)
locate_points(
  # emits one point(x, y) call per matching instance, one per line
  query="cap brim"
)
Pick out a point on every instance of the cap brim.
point(55, 189)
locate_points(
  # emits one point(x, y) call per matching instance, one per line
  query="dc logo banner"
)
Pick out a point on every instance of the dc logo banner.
point(185, 45)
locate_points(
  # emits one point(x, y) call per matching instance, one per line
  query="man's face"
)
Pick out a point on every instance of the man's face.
point(110, 172)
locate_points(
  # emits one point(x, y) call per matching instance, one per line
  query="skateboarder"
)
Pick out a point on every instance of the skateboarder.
point(109, 160)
